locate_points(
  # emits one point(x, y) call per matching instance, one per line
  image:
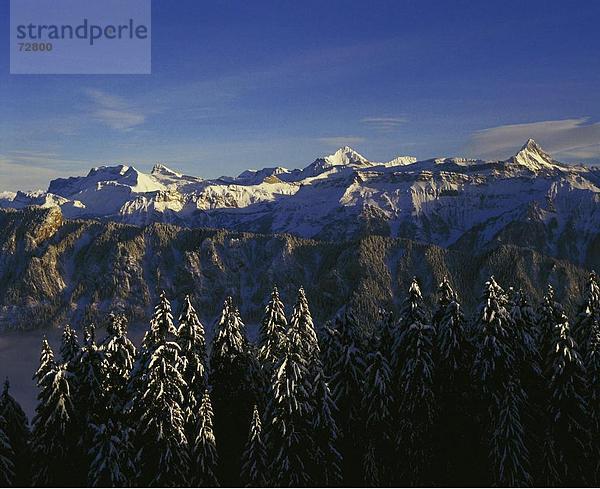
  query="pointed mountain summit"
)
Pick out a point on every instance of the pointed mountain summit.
point(160, 169)
point(344, 156)
point(532, 156)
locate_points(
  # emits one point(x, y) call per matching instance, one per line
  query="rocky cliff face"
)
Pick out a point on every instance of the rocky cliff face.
point(54, 271)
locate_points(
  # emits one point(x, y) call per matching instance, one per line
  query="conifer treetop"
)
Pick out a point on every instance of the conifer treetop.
point(413, 312)
point(89, 335)
point(117, 325)
point(229, 340)
point(190, 337)
point(190, 326)
point(47, 362)
point(273, 327)
point(301, 324)
point(593, 349)
point(206, 411)
point(161, 324)
point(205, 449)
point(446, 293)
point(256, 425)
point(255, 454)
point(593, 286)
point(414, 290)
point(69, 345)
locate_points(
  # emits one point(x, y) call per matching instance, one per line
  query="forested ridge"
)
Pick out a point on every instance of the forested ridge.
point(509, 396)
point(55, 272)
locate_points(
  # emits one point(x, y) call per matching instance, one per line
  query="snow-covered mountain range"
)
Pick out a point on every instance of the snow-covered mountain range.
point(528, 199)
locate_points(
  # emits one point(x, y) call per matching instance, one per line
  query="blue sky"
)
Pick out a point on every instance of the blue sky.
point(238, 85)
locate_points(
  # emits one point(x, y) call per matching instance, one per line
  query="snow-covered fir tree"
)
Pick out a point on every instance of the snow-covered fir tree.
point(592, 366)
point(494, 374)
point(259, 379)
point(549, 314)
point(191, 340)
point(119, 357)
point(528, 367)
point(7, 457)
point(54, 437)
point(385, 334)
point(137, 377)
point(526, 351)
point(137, 380)
point(328, 344)
point(272, 330)
point(589, 313)
point(254, 458)
point(47, 365)
point(69, 348)
point(413, 312)
point(509, 452)
point(452, 344)
point(347, 378)
point(205, 457)
point(160, 435)
point(89, 399)
point(112, 456)
point(568, 421)
point(271, 335)
point(17, 431)
point(416, 402)
point(290, 433)
point(110, 449)
point(524, 319)
point(89, 376)
point(453, 386)
point(455, 405)
point(327, 460)
point(378, 403)
point(233, 392)
point(495, 357)
point(302, 323)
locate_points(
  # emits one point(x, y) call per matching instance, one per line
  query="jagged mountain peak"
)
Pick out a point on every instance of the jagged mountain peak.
point(532, 156)
point(345, 156)
point(109, 170)
point(532, 148)
point(531, 145)
point(160, 169)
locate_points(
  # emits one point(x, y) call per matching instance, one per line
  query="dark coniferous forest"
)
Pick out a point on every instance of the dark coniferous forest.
point(507, 397)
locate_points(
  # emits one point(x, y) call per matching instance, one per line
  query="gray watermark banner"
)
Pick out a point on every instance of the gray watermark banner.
point(101, 37)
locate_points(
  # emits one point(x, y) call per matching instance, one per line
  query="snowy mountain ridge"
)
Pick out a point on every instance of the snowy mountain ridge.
point(444, 201)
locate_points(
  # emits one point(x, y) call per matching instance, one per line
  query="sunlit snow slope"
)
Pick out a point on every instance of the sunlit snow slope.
point(529, 199)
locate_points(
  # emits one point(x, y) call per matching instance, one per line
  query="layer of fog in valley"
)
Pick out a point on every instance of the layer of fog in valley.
point(19, 359)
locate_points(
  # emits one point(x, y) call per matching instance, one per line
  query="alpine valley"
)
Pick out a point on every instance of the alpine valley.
point(342, 226)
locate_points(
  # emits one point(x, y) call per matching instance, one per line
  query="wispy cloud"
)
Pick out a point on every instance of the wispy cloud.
point(384, 124)
point(18, 172)
point(212, 97)
point(115, 112)
point(570, 139)
point(341, 140)
point(39, 159)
